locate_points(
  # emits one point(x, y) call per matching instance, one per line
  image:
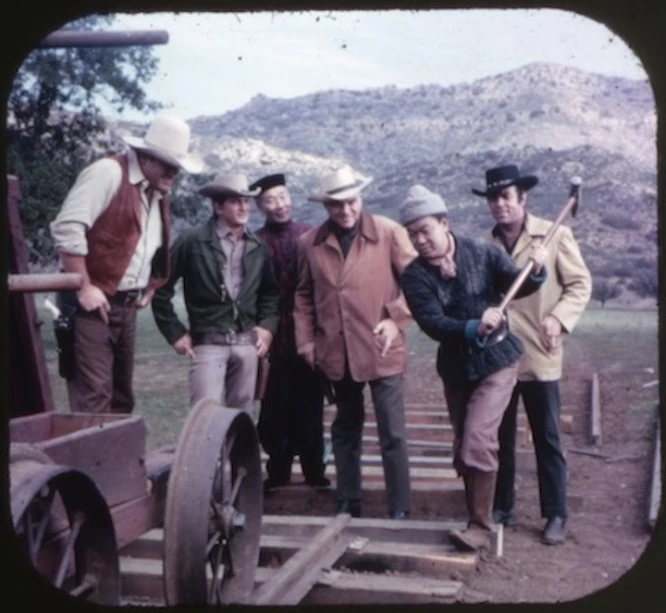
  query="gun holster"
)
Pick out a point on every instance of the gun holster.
point(63, 328)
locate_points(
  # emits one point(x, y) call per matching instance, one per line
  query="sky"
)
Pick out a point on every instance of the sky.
point(217, 62)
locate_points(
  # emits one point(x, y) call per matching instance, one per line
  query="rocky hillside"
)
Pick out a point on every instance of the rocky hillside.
point(552, 120)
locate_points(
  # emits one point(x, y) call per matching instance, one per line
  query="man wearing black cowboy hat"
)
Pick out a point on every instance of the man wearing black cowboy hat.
point(291, 417)
point(230, 294)
point(540, 321)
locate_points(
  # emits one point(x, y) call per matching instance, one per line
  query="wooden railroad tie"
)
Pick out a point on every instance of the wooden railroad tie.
point(324, 560)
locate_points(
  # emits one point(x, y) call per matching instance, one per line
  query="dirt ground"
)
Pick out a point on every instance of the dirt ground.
point(607, 530)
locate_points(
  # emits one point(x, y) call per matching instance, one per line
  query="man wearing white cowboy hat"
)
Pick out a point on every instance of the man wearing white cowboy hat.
point(540, 321)
point(350, 319)
point(231, 297)
point(114, 229)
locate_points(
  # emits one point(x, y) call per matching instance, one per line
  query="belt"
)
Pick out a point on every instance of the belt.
point(224, 338)
point(126, 298)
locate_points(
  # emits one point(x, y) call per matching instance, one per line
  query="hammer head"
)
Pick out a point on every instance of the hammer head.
point(574, 192)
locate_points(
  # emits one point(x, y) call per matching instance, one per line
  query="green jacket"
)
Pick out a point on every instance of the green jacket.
point(197, 257)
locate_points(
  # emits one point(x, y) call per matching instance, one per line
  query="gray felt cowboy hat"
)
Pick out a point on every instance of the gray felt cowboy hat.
point(228, 185)
point(340, 185)
point(168, 139)
point(504, 176)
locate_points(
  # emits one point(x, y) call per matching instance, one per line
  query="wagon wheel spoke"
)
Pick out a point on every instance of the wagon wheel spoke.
point(41, 508)
point(86, 588)
point(242, 472)
point(79, 520)
point(216, 581)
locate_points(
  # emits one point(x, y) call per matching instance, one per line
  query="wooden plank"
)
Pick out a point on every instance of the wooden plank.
point(427, 532)
point(135, 518)
point(63, 424)
point(377, 472)
point(595, 411)
point(297, 576)
point(370, 589)
point(376, 460)
point(379, 556)
point(30, 428)
point(112, 453)
point(654, 500)
point(141, 582)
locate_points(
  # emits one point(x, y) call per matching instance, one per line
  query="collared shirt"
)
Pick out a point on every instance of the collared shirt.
point(233, 249)
point(90, 196)
point(345, 236)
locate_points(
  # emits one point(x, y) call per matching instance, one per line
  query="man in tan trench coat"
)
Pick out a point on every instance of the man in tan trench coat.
point(539, 320)
point(350, 319)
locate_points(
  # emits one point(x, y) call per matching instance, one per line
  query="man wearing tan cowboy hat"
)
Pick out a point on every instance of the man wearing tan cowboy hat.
point(231, 297)
point(350, 319)
point(539, 320)
point(114, 229)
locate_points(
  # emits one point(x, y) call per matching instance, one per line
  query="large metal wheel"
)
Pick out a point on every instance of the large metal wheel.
point(64, 526)
point(212, 521)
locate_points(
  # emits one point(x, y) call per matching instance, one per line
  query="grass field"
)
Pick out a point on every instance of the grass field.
point(622, 343)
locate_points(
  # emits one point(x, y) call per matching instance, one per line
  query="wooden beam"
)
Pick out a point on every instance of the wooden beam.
point(381, 556)
point(595, 412)
point(369, 589)
point(52, 282)
point(654, 501)
point(297, 576)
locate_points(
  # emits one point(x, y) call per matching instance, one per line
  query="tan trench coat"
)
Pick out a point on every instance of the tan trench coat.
point(564, 295)
point(339, 301)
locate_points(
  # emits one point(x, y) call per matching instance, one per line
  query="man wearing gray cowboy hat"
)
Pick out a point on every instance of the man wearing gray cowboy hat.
point(539, 320)
point(114, 230)
point(350, 319)
point(231, 297)
point(453, 289)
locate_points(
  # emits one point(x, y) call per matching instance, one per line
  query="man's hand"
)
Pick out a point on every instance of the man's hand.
point(307, 352)
point(491, 319)
point(264, 340)
point(184, 345)
point(538, 255)
point(145, 299)
point(91, 297)
point(551, 332)
point(386, 332)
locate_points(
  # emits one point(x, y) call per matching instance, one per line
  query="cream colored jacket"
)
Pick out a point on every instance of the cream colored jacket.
point(564, 295)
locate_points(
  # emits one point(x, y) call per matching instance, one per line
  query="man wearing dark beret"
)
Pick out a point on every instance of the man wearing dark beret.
point(291, 418)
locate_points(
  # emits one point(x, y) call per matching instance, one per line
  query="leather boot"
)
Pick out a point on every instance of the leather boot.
point(481, 486)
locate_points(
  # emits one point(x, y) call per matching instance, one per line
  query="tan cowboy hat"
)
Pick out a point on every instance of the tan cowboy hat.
point(228, 185)
point(168, 139)
point(340, 185)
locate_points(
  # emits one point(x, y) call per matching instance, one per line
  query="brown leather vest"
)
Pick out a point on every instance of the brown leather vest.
point(115, 235)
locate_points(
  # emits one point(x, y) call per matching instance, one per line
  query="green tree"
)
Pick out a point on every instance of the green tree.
point(604, 289)
point(54, 116)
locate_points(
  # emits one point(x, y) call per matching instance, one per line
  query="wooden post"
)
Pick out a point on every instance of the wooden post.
point(595, 413)
point(29, 383)
point(654, 501)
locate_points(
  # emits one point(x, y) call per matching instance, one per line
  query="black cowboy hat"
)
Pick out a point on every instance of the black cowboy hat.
point(503, 176)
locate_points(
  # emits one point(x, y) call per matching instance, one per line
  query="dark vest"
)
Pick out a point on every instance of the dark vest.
point(114, 236)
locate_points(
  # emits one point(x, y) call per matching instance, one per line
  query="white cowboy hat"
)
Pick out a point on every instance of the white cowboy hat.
point(228, 185)
point(340, 185)
point(168, 139)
